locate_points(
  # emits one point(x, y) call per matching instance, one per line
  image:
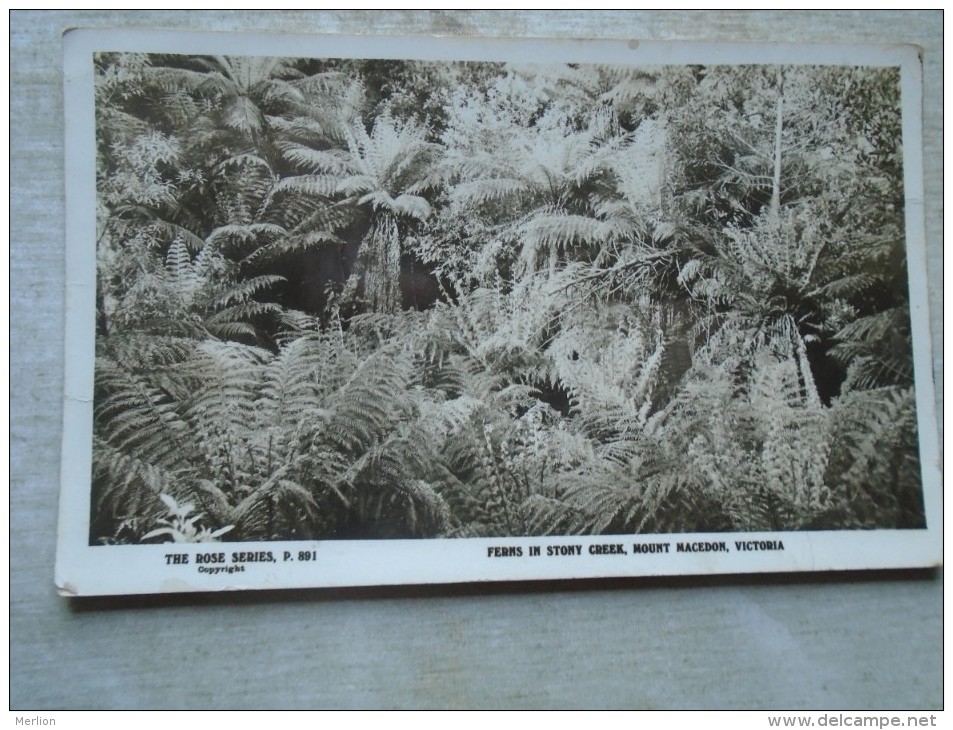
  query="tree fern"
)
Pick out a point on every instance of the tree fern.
point(874, 468)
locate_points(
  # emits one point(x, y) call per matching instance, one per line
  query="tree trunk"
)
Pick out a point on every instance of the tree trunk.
point(775, 209)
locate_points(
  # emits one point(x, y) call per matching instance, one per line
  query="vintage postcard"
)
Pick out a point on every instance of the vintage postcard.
point(365, 311)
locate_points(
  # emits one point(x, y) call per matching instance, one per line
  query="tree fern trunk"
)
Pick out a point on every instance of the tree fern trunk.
point(382, 265)
point(775, 209)
point(804, 365)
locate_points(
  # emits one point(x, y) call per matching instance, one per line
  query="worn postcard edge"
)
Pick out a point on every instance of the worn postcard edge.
point(82, 569)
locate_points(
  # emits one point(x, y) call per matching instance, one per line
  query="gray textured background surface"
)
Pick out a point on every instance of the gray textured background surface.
point(864, 641)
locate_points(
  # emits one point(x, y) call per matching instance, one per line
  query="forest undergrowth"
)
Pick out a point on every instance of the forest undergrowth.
point(345, 299)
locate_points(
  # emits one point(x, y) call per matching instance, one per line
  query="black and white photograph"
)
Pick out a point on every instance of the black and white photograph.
point(502, 312)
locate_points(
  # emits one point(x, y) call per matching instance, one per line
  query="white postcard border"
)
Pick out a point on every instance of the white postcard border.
point(99, 570)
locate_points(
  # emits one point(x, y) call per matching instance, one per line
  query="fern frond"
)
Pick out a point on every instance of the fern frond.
point(875, 327)
point(356, 185)
point(849, 286)
point(171, 79)
point(411, 206)
point(173, 231)
point(267, 510)
point(487, 190)
point(227, 375)
point(244, 290)
point(550, 516)
point(243, 311)
point(125, 484)
point(301, 127)
point(328, 162)
point(245, 159)
point(321, 83)
point(874, 468)
point(317, 185)
point(562, 231)
point(245, 235)
point(365, 407)
point(325, 218)
point(138, 416)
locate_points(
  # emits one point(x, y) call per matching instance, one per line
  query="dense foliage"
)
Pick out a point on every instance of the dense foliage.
point(369, 299)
